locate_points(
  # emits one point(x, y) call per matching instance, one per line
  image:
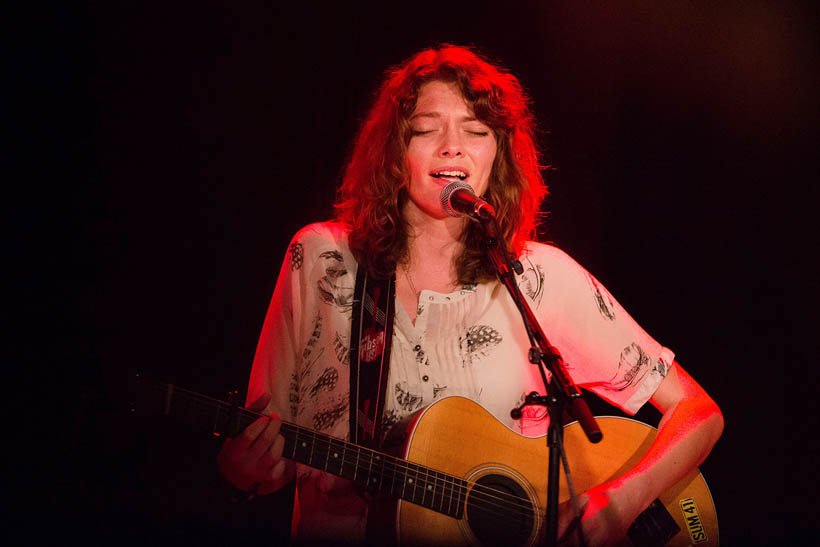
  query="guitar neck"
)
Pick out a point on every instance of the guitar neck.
point(377, 472)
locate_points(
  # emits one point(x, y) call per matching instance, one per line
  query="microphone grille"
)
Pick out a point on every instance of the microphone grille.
point(448, 190)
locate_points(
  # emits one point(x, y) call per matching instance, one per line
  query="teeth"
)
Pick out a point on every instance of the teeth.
point(459, 174)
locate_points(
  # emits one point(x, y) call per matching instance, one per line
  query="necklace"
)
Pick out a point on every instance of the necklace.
point(410, 280)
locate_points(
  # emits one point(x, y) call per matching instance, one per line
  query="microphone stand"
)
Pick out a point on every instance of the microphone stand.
point(562, 393)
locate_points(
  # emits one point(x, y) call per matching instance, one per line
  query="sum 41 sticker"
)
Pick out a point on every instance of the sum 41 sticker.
point(693, 523)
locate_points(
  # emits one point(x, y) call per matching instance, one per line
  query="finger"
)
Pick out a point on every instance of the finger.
point(278, 469)
point(244, 440)
point(266, 437)
point(566, 523)
point(570, 535)
point(260, 403)
point(277, 447)
point(568, 520)
point(273, 455)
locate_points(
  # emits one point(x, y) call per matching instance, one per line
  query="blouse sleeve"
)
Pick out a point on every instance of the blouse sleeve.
point(606, 351)
point(276, 362)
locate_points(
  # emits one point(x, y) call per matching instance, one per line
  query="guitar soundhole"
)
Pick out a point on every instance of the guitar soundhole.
point(499, 511)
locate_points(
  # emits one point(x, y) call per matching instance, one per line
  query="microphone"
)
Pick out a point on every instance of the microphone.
point(458, 198)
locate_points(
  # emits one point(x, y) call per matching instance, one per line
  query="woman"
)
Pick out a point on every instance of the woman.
point(448, 115)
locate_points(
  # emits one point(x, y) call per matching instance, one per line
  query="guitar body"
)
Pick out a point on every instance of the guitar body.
point(460, 437)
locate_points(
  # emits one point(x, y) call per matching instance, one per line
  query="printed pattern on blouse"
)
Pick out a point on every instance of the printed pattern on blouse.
point(465, 347)
point(602, 299)
point(340, 347)
point(296, 252)
point(329, 416)
point(478, 343)
point(336, 286)
point(531, 281)
point(633, 365)
point(407, 400)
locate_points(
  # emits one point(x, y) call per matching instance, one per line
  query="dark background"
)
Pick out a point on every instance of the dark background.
point(172, 149)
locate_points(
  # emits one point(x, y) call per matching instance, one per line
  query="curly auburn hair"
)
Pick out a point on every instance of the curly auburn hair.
point(374, 187)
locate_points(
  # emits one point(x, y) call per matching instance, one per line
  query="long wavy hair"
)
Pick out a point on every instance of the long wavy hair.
point(374, 187)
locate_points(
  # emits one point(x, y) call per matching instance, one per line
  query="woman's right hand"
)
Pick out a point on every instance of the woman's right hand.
point(254, 458)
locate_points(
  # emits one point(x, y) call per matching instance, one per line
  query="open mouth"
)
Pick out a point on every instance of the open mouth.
point(449, 175)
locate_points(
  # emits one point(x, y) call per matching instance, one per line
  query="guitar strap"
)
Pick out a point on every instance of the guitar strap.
point(370, 338)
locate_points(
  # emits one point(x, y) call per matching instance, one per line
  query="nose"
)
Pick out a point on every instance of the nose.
point(450, 146)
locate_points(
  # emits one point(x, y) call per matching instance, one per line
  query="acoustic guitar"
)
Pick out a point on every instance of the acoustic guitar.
point(464, 478)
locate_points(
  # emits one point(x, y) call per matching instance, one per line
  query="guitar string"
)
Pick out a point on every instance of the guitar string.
point(396, 463)
point(481, 497)
point(520, 505)
point(201, 401)
point(432, 477)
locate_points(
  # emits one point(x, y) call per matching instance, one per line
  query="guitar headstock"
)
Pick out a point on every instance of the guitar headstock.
point(149, 397)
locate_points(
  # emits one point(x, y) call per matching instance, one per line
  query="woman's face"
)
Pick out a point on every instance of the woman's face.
point(448, 143)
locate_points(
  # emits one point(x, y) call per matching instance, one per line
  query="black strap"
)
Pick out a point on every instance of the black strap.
point(371, 335)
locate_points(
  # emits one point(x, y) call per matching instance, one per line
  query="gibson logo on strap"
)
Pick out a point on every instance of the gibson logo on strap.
point(372, 345)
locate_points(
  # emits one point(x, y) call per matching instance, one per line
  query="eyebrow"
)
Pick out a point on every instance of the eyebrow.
point(439, 115)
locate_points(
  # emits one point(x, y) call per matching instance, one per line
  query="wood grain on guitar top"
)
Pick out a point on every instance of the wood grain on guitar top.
point(460, 437)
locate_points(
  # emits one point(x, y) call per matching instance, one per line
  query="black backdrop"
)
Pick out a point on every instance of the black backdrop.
point(174, 148)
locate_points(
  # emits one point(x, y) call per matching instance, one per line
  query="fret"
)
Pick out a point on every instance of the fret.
point(290, 443)
point(327, 452)
point(342, 462)
point(412, 481)
point(323, 444)
point(438, 494)
point(421, 485)
point(372, 472)
point(369, 480)
point(449, 495)
point(347, 467)
point(318, 451)
point(461, 490)
point(362, 465)
point(381, 474)
point(295, 443)
point(418, 492)
point(448, 492)
point(404, 483)
point(309, 460)
point(429, 489)
point(335, 454)
point(303, 448)
point(227, 419)
point(369, 468)
point(396, 473)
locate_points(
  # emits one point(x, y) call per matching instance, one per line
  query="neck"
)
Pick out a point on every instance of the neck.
point(436, 241)
point(433, 245)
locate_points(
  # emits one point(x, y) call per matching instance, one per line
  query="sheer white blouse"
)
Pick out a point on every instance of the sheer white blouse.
point(470, 343)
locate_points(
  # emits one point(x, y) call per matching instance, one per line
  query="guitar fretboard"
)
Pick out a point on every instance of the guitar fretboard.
point(377, 472)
